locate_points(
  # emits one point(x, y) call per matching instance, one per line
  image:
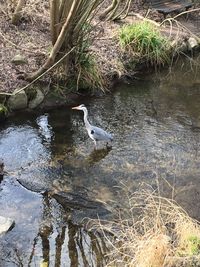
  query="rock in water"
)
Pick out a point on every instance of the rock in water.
point(5, 224)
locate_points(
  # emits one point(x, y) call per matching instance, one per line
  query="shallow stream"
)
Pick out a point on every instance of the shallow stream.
point(155, 121)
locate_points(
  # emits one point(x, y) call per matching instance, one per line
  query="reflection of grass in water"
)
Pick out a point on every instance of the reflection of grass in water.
point(151, 232)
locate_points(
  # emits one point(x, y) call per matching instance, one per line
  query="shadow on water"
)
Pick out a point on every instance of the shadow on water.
point(97, 155)
point(54, 178)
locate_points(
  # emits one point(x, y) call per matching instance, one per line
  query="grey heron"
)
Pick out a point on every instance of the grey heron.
point(95, 133)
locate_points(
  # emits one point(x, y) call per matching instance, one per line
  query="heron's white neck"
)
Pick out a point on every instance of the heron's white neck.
point(87, 124)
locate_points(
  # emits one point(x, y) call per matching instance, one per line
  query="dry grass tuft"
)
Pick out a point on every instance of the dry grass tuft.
point(151, 231)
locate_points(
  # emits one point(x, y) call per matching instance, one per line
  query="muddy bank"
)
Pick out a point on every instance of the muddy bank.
point(25, 46)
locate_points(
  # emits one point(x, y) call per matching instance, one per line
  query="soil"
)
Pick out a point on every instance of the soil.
point(31, 39)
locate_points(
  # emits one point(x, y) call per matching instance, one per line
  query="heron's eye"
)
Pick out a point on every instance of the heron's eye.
point(92, 132)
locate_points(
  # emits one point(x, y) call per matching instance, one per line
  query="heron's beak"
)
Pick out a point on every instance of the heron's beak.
point(75, 107)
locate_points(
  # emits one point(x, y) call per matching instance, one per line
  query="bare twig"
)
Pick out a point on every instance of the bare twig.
point(17, 14)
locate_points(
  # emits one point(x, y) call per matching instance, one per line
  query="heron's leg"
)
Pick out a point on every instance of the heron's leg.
point(95, 144)
point(108, 146)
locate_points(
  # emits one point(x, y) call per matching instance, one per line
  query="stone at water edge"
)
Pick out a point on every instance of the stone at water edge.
point(5, 224)
point(37, 100)
point(18, 101)
point(192, 43)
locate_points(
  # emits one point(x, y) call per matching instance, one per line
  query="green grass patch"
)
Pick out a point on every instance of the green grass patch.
point(3, 112)
point(3, 109)
point(88, 72)
point(145, 42)
point(194, 245)
point(191, 247)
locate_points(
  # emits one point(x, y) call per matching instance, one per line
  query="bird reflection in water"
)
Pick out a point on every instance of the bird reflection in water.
point(97, 155)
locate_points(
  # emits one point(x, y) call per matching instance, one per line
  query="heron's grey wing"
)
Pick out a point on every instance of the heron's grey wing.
point(100, 134)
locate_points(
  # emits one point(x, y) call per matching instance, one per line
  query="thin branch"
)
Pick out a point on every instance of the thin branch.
point(180, 14)
point(108, 9)
point(54, 15)
point(18, 10)
point(112, 14)
point(59, 42)
point(126, 7)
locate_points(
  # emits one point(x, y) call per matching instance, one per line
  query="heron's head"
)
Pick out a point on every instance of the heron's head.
point(81, 107)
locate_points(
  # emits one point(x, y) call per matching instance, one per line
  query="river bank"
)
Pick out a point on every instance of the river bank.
point(25, 46)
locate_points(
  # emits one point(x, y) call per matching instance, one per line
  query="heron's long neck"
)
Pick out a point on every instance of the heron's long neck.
point(87, 124)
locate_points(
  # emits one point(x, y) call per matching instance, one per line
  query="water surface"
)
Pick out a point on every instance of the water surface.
point(155, 121)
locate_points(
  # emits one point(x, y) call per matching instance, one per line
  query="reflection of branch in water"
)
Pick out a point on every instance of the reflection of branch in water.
point(83, 247)
point(72, 249)
point(59, 243)
point(46, 230)
point(45, 243)
point(72, 243)
point(98, 155)
point(90, 243)
point(99, 247)
point(44, 233)
point(1, 170)
point(35, 240)
point(79, 241)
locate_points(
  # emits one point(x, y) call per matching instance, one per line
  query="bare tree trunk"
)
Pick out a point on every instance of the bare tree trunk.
point(68, 18)
point(125, 9)
point(64, 11)
point(59, 42)
point(54, 15)
point(17, 13)
point(113, 12)
point(108, 9)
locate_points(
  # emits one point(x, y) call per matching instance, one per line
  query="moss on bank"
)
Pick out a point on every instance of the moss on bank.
point(3, 112)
